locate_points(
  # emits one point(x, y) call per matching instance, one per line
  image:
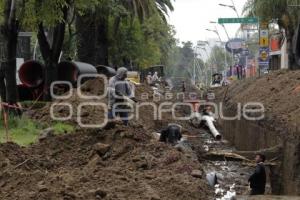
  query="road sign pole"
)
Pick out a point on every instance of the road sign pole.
point(264, 57)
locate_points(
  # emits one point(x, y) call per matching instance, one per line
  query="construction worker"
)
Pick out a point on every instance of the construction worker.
point(258, 179)
point(155, 77)
point(119, 92)
point(171, 134)
point(149, 79)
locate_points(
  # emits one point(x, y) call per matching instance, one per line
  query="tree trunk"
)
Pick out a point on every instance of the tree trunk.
point(92, 34)
point(86, 34)
point(9, 32)
point(102, 41)
point(291, 56)
point(51, 53)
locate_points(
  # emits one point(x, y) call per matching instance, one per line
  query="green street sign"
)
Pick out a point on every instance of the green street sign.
point(246, 20)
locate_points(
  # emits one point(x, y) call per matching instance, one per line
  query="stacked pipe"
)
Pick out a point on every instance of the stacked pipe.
point(31, 74)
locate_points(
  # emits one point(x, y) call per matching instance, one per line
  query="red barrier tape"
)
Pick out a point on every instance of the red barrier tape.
point(10, 106)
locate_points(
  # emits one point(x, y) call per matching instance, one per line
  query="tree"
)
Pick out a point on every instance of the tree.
point(181, 63)
point(140, 44)
point(49, 19)
point(97, 23)
point(216, 59)
point(287, 18)
point(51, 50)
point(9, 37)
point(92, 33)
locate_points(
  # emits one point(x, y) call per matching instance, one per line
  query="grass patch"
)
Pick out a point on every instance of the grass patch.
point(25, 131)
point(33, 104)
point(61, 128)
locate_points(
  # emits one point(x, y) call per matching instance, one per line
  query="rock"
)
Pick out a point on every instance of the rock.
point(155, 197)
point(83, 179)
point(129, 135)
point(101, 148)
point(143, 165)
point(46, 133)
point(101, 193)
point(149, 177)
point(41, 187)
point(150, 193)
point(196, 174)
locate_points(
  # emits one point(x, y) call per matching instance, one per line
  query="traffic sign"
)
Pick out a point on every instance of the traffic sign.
point(263, 56)
point(264, 38)
point(246, 20)
point(249, 27)
point(264, 42)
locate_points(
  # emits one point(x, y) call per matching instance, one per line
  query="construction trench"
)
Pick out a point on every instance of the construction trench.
point(129, 163)
point(277, 135)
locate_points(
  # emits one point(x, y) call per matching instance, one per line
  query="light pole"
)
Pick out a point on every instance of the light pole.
point(213, 22)
point(232, 7)
point(216, 32)
point(202, 45)
point(206, 70)
point(194, 70)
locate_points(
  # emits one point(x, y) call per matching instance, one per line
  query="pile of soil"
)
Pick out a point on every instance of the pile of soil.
point(111, 163)
point(120, 163)
point(279, 92)
point(143, 115)
point(89, 114)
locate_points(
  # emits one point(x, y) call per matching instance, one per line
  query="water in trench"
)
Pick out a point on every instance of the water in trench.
point(228, 178)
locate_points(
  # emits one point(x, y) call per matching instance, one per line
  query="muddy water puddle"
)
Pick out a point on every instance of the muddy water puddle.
point(228, 178)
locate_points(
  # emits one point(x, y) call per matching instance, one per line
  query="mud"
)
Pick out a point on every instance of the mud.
point(279, 93)
point(95, 114)
point(109, 163)
point(122, 163)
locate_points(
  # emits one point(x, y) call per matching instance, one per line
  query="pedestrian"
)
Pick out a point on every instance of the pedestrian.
point(119, 92)
point(183, 87)
point(258, 179)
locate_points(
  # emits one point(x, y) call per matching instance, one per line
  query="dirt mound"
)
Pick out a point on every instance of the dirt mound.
point(95, 115)
point(121, 163)
point(278, 91)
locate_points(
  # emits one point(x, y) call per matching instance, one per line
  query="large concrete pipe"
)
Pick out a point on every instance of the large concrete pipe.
point(105, 70)
point(29, 94)
point(209, 122)
point(70, 71)
point(25, 93)
point(31, 74)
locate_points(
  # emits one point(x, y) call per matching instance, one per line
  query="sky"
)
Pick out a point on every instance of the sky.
point(192, 17)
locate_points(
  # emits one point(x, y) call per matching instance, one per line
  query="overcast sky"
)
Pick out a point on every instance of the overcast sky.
point(192, 17)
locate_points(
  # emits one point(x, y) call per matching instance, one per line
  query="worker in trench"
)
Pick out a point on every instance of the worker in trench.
point(257, 180)
point(171, 134)
point(119, 96)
